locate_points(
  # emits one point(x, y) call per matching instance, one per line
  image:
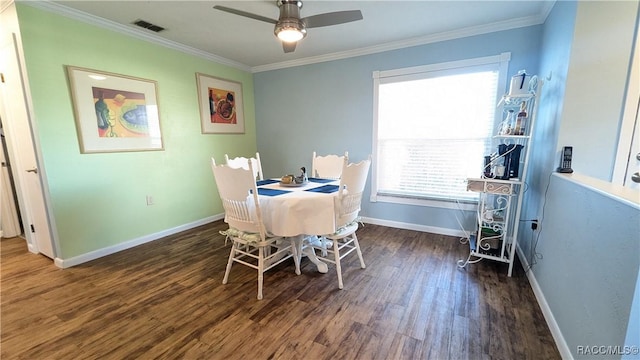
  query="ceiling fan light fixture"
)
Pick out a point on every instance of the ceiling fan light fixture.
point(290, 31)
point(290, 35)
point(290, 27)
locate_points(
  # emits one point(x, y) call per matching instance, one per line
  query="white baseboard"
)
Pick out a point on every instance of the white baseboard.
point(83, 258)
point(77, 260)
point(563, 348)
point(416, 227)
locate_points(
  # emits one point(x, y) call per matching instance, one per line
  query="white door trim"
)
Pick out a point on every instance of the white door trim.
point(35, 208)
point(630, 112)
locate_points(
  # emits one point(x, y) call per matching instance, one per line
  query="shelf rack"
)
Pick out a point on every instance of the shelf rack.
point(500, 201)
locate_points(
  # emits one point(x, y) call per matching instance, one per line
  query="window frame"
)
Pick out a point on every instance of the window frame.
point(501, 62)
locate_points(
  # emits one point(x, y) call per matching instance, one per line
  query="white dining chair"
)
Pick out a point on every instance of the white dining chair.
point(251, 244)
point(334, 247)
point(328, 166)
point(243, 162)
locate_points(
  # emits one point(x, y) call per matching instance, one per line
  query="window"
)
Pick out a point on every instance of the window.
point(433, 126)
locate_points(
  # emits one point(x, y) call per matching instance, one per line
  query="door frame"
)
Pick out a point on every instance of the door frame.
point(12, 39)
point(628, 128)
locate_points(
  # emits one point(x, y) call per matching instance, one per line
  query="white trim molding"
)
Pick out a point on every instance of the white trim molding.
point(423, 40)
point(83, 258)
point(4, 4)
point(130, 31)
point(417, 41)
point(561, 343)
point(415, 227)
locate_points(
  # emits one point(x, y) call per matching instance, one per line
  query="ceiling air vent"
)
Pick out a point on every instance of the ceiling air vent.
point(147, 25)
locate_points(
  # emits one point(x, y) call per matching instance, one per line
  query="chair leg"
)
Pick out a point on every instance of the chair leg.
point(260, 270)
point(336, 255)
point(355, 242)
point(230, 262)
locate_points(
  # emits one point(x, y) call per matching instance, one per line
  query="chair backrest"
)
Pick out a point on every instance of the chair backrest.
point(243, 162)
point(237, 189)
point(352, 182)
point(328, 166)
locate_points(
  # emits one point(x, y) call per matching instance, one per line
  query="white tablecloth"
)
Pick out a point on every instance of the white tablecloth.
point(299, 212)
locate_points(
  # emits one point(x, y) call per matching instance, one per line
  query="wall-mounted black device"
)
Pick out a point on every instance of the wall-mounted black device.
point(565, 160)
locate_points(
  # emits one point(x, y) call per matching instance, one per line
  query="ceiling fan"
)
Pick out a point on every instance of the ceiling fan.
point(290, 27)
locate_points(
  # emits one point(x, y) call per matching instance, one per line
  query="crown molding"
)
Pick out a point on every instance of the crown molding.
point(130, 31)
point(47, 5)
point(546, 10)
point(423, 40)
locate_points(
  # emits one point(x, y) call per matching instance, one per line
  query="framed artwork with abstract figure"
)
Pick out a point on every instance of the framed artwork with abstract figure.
point(114, 112)
point(221, 107)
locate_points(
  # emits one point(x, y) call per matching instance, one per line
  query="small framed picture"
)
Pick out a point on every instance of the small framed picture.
point(114, 112)
point(221, 106)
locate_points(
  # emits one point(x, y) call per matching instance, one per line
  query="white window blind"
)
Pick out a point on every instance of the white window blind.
point(433, 129)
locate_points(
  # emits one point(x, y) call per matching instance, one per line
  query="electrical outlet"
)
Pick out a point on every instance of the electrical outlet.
point(534, 224)
point(149, 200)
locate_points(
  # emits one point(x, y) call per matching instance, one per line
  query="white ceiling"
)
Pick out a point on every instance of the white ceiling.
point(194, 26)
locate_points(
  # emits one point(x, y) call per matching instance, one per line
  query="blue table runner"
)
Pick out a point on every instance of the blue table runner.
point(266, 182)
point(320, 180)
point(327, 189)
point(271, 192)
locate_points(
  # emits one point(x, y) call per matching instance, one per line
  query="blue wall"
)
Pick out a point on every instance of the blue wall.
point(585, 287)
point(555, 52)
point(584, 256)
point(328, 107)
point(590, 263)
point(633, 329)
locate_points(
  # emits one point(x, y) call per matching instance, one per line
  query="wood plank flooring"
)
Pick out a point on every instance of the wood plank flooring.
point(166, 300)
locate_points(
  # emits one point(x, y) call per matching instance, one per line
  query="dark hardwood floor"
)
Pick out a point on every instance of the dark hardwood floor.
point(165, 299)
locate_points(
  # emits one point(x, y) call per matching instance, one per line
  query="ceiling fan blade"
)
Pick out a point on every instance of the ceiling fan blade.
point(245, 14)
point(332, 18)
point(288, 46)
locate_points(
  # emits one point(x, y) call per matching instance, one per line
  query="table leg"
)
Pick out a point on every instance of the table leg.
point(308, 252)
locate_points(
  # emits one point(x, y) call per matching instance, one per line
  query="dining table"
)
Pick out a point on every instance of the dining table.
point(299, 211)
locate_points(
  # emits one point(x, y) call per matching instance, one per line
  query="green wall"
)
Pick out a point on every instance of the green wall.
point(99, 200)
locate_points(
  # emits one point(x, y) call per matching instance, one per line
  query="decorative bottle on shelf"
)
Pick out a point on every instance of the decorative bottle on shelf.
point(508, 123)
point(521, 121)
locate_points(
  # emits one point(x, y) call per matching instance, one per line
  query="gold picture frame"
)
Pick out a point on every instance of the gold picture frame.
point(114, 112)
point(221, 105)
